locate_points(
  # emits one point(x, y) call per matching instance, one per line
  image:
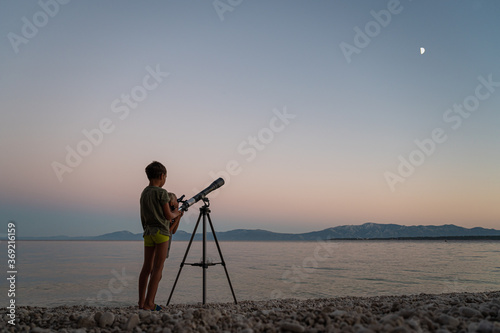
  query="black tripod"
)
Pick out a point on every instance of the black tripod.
point(205, 212)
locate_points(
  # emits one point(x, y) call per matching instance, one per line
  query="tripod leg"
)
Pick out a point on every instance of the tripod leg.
point(204, 260)
point(184, 259)
point(222, 258)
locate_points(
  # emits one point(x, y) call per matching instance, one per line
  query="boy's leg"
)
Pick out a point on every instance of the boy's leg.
point(149, 255)
point(156, 273)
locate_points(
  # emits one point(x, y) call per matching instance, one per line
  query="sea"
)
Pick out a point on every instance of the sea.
point(105, 273)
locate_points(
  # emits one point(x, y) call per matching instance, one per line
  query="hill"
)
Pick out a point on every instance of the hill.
point(364, 231)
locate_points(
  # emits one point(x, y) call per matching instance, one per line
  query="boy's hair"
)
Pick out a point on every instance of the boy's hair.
point(172, 196)
point(155, 169)
point(173, 200)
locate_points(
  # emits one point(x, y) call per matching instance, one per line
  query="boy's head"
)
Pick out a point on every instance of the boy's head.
point(173, 201)
point(155, 170)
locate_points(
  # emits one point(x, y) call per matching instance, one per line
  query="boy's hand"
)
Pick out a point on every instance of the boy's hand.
point(170, 213)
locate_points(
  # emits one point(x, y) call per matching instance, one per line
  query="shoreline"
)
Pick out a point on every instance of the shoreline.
point(468, 312)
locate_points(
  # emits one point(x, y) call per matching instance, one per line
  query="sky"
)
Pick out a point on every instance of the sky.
point(316, 113)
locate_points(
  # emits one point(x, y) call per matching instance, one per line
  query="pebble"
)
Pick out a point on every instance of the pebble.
point(106, 319)
point(188, 314)
point(86, 322)
point(338, 313)
point(399, 330)
point(394, 319)
point(457, 312)
point(166, 318)
point(485, 327)
point(292, 327)
point(40, 330)
point(143, 314)
point(247, 330)
point(446, 320)
point(365, 330)
point(414, 325)
point(469, 312)
point(132, 322)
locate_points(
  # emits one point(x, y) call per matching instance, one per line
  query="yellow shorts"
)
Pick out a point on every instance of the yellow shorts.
point(152, 240)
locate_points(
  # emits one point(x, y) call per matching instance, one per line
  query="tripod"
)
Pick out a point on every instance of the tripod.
point(205, 212)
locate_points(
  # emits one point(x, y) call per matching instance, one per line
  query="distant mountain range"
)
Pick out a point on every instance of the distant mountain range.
point(345, 232)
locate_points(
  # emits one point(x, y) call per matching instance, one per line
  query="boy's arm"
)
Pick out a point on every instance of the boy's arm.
point(174, 225)
point(169, 214)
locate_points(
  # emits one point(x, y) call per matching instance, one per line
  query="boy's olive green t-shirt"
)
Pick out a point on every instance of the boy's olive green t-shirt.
point(153, 199)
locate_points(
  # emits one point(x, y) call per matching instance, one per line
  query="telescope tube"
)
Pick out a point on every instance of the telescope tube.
point(215, 185)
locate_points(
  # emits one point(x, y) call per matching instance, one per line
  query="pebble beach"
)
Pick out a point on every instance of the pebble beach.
point(455, 312)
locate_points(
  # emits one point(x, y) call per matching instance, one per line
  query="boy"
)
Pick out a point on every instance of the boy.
point(156, 215)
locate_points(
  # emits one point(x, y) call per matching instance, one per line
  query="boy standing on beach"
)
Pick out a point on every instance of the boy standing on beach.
point(156, 215)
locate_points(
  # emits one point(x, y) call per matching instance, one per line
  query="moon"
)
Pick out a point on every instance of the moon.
point(422, 50)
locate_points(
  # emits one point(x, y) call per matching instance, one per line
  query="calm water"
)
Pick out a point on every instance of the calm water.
point(106, 273)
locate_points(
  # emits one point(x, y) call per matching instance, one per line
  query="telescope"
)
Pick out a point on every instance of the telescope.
point(205, 214)
point(212, 187)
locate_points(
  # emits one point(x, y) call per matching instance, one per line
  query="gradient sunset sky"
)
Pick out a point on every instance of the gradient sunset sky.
point(316, 113)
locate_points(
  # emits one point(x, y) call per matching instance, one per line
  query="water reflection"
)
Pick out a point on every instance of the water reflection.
point(106, 273)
